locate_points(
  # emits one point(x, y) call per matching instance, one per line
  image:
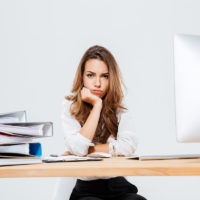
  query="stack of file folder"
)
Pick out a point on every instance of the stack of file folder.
point(18, 139)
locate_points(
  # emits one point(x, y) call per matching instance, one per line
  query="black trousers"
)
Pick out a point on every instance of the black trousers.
point(117, 188)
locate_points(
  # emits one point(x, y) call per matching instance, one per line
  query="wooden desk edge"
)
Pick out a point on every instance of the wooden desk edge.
point(108, 167)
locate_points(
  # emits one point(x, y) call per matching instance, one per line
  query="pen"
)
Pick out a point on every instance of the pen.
point(53, 155)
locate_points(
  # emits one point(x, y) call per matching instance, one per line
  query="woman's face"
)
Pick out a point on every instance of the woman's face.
point(96, 77)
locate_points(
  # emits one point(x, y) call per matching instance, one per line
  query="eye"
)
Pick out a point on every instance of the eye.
point(89, 75)
point(106, 76)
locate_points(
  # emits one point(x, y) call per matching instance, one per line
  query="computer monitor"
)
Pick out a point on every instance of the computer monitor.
point(187, 87)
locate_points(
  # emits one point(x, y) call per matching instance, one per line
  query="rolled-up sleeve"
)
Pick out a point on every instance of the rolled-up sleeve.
point(75, 143)
point(127, 141)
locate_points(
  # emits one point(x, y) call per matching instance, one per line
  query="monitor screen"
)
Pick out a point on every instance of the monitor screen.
point(187, 87)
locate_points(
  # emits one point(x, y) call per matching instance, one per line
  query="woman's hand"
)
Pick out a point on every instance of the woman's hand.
point(66, 153)
point(90, 98)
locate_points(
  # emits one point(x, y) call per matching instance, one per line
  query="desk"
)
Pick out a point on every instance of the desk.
point(117, 166)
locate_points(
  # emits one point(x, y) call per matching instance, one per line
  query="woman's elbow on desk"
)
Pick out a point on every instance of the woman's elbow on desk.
point(125, 146)
point(75, 150)
point(126, 150)
point(77, 144)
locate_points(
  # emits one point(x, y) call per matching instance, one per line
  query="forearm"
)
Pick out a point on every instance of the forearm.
point(89, 128)
point(99, 148)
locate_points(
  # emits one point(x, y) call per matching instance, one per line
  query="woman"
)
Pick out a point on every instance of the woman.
point(95, 120)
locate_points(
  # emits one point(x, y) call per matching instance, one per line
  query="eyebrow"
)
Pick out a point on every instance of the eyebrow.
point(95, 73)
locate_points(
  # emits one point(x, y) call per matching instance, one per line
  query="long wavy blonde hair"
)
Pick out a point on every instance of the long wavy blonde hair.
point(112, 101)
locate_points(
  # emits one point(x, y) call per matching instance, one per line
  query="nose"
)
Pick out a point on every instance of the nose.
point(97, 82)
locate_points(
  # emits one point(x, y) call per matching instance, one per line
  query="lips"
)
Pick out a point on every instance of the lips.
point(97, 91)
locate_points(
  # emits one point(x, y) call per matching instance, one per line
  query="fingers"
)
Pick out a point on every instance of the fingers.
point(87, 96)
point(85, 93)
point(66, 153)
point(85, 90)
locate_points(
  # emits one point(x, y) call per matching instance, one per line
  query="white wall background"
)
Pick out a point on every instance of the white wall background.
point(41, 43)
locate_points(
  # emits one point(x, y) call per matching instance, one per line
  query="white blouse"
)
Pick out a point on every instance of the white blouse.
point(77, 144)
